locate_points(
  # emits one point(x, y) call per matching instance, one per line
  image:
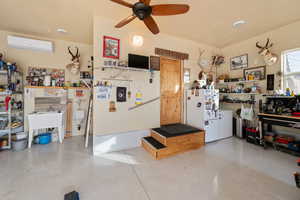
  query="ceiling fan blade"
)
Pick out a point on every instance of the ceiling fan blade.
point(169, 9)
point(124, 3)
point(125, 21)
point(147, 2)
point(151, 24)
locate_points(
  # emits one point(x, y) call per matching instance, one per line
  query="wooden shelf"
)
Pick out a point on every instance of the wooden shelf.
point(279, 116)
point(235, 82)
point(50, 87)
point(55, 87)
point(127, 69)
point(241, 93)
point(77, 88)
point(278, 97)
point(224, 102)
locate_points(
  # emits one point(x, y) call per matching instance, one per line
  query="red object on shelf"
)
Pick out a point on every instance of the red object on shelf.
point(7, 100)
point(284, 139)
point(298, 162)
point(296, 114)
point(251, 130)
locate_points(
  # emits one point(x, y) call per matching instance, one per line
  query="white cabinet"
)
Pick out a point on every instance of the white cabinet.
point(225, 124)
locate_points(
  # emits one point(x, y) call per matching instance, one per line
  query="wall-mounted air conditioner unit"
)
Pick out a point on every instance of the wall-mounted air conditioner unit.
point(30, 44)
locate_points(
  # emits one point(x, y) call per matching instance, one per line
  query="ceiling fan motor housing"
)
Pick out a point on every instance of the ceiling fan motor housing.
point(141, 10)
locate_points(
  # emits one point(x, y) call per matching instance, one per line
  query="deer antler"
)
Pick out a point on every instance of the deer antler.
point(268, 41)
point(70, 52)
point(77, 53)
point(258, 46)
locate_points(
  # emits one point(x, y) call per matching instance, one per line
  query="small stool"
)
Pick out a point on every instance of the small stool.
point(45, 120)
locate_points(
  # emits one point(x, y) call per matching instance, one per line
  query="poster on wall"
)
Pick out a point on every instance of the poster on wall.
point(239, 62)
point(111, 47)
point(103, 92)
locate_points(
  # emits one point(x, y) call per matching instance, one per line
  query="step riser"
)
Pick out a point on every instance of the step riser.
point(149, 149)
point(178, 149)
point(159, 137)
point(195, 138)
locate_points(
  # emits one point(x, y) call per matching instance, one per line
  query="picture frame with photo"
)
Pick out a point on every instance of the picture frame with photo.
point(255, 73)
point(239, 62)
point(111, 47)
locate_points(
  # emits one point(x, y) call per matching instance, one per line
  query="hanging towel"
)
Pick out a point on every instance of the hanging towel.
point(247, 113)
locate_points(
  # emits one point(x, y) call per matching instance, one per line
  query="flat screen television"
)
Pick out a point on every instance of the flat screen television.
point(138, 61)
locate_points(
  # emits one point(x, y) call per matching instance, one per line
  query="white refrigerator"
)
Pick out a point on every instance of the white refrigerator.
point(202, 111)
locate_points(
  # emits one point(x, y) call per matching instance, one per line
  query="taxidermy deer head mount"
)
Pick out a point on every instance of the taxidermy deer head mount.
point(264, 51)
point(74, 67)
point(203, 63)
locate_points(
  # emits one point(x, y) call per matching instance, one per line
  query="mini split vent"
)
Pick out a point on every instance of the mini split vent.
point(29, 44)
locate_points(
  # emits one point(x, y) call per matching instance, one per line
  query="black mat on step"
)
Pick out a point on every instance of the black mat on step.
point(173, 130)
point(154, 143)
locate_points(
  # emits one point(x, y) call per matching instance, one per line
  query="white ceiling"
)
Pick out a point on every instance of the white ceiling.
point(209, 21)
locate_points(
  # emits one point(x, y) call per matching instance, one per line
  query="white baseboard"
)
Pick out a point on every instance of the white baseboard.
point(118, 141)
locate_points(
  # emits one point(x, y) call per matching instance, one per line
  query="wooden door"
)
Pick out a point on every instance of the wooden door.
point(170, 91)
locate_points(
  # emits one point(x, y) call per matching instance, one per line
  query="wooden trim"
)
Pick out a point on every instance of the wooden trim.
point(69, 125)
point(182, 91)
point(171, 54)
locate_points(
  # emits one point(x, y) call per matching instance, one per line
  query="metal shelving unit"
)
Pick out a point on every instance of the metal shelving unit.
point(7, 115)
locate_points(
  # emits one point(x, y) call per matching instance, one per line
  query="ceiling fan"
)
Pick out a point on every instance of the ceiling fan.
point(143, 11)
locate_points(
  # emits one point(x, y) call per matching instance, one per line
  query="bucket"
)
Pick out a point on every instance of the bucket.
point(19, 145)
point(44, 138)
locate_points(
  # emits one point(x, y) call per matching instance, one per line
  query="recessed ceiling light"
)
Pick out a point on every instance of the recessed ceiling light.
point(61, 30)
point(238, 23)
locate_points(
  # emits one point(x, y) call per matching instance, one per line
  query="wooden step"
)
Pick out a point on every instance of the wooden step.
point(154, 147)
point(178, 145)
point(173, 139)
point(198, 137)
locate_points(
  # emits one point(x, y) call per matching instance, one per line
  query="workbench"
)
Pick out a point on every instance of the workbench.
point(277, 120)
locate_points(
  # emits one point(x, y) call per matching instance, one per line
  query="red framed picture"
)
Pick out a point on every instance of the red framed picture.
point(111, 47)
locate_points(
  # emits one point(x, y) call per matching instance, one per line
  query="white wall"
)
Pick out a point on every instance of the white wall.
point(149, 115)
point(58, 59)
point(284, 38)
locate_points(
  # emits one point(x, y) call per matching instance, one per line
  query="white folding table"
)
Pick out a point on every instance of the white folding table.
point(45, 120)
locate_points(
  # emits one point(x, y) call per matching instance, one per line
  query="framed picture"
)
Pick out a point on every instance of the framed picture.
point(111, 47)
point(239, 62)
point(255, 73)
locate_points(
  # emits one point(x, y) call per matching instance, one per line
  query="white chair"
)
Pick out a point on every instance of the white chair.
point(45, 120)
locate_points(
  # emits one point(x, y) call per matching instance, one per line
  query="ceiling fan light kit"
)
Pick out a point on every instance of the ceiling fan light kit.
point(144, 12)
point(141, 10)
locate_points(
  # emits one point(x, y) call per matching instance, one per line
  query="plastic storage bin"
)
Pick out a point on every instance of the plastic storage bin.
point(44, 138)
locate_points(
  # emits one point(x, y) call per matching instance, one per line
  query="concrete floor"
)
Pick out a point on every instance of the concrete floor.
point(230, 169)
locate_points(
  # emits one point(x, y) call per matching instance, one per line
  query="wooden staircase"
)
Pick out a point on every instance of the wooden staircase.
point(173, 139)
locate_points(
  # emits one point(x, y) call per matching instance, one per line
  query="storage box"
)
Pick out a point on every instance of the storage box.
point(284, 139)
point(295, 146)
